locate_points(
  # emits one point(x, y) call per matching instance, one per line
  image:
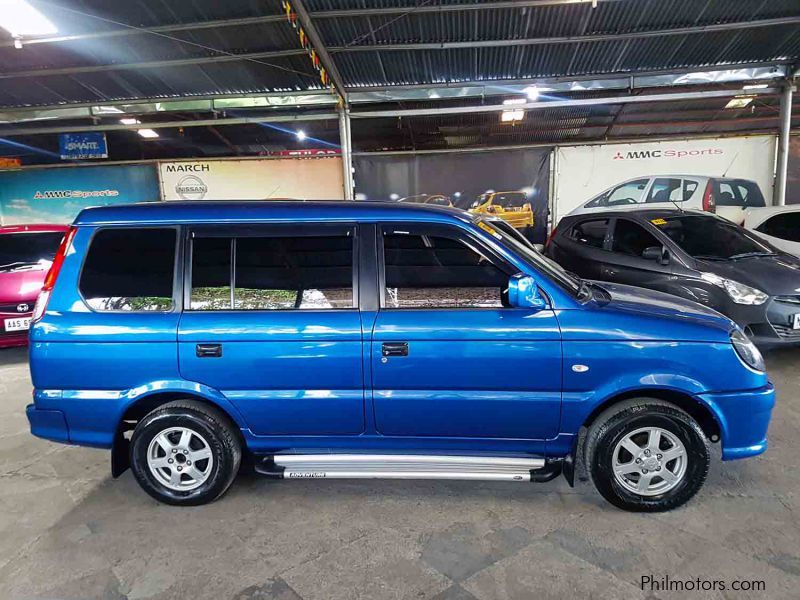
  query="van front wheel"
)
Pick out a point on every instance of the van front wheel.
point(646, 455)
point(185, 453)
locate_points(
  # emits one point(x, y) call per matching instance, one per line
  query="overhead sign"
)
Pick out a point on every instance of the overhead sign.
point(254, 179)
point(582, 172)
point(58, 195)
point(79, 146)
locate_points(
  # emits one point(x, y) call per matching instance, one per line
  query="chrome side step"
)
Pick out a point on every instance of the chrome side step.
point(399, 466)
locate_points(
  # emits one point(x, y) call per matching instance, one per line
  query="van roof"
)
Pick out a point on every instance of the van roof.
point(263, 211)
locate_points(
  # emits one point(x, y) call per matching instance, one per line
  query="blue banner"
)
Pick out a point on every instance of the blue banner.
point(82, 145)
point(31, 196)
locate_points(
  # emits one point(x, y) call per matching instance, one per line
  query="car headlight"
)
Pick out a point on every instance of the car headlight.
point(747, 351)
point(738, 292)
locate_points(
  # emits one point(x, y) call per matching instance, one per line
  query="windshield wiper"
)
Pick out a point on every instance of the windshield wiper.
point(708, 257)
point(749, 254)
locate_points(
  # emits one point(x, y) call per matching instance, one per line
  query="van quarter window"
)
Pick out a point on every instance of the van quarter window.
point(130, 270)
point(272, 273)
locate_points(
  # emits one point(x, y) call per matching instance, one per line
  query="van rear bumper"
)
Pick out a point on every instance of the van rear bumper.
point(48, 424)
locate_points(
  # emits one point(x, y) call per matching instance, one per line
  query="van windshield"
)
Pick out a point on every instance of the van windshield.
point(711, 238)
point(21, 249)
point(514, 240)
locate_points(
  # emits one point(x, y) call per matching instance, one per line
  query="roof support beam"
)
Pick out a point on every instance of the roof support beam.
point(440, 8)
point(123, 31)
point(576, 39)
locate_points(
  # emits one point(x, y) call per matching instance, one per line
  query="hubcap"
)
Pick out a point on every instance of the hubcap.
point(180, 459)
point(649, 461)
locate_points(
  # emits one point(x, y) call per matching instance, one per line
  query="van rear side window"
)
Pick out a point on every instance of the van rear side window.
point(130, 270)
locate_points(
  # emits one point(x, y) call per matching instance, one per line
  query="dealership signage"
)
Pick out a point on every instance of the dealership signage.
point(82, 145)
point(58, 195)
point(253, 179)
point(582, 172)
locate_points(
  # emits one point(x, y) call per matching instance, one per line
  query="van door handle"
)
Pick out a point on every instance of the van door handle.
point(394, 349)
point(208, 350)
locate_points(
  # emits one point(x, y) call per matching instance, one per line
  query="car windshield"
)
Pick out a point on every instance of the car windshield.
point(711, 238)
point(514, 240)
point(509, 199)
point(20, 249)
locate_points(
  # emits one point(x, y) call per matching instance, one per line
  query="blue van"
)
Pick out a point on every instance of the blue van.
point(362, 340)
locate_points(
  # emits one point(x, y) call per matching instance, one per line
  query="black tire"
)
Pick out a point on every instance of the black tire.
point(206, 421)
point(624, 418)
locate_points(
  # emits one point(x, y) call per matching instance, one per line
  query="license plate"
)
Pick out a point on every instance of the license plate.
point(796, 321)
point(23, 324)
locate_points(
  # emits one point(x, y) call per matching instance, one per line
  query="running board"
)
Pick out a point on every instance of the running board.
point(402, 466)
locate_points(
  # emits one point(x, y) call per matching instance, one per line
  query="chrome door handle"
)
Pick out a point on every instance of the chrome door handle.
point(394, 349)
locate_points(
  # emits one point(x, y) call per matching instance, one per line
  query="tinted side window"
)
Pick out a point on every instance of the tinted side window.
point(785, 226)
point(130, 269)
point(631, 238)
point(424, 271)
point(689, 187)
point(665, 190)
point(272, 273)
point(591, 233)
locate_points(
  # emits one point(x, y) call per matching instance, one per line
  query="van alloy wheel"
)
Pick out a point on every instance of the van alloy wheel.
point(180, 458)
point(649, 461)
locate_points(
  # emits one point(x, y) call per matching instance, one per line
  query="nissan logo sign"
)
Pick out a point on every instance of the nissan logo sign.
point(191, 187)
point(23, 308)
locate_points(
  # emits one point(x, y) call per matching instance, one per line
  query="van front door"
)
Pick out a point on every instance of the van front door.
point(449, 357)
point(271, 321)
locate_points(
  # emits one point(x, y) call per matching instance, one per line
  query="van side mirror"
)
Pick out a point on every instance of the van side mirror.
point(524, 293)
point(658, 253)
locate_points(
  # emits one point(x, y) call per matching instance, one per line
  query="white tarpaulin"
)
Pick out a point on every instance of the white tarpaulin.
point(582, 172)
point(255, 179)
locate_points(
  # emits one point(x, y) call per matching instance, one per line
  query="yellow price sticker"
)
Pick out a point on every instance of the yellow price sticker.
point(488, 229)
point(659, 221)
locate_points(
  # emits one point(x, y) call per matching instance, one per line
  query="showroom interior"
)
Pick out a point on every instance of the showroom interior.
point(589, 135)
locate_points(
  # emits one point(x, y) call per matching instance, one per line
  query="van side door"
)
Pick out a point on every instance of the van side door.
point(271, 320)
point(450, 357)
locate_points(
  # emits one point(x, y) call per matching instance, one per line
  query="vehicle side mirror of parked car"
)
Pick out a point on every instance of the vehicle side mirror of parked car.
point(658, 253)
point(524, 293)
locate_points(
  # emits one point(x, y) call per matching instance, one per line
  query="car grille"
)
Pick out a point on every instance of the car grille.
point(787, 333)
point(12, 308)
point(780, 315)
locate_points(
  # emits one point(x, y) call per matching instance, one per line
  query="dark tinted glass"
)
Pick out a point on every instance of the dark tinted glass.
point(631, 238)
point(711, 238)
point(510, 199)
point(785, 226)
point(665, 190)
point(273, 273)
point(130, 269)
point(20, 249)
point(591, 233)
point(439, 272)
point(738, 192)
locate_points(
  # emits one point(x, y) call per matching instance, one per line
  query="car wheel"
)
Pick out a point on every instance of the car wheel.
point(185, 453)
point(646, 455)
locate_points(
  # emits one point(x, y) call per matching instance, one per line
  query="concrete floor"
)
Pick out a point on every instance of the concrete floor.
point(67, 530)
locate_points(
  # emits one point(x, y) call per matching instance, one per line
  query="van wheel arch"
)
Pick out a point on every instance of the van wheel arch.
point(699, 412)
point(120, 450)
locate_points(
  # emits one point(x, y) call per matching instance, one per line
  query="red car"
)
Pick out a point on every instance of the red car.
point(26, 252)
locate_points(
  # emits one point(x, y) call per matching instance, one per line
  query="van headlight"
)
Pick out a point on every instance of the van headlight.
point(738, 292)
point(747, 351)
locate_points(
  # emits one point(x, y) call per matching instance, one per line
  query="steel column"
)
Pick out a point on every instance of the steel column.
point(346, 142)
point(779, 198)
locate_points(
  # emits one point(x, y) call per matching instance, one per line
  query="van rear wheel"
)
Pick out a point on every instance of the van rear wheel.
point(185, 453)
point(646, 455)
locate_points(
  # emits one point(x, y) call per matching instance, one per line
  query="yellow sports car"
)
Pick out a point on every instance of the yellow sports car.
point(509, 206)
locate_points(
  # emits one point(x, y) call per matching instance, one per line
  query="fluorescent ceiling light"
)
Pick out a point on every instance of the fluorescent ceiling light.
point(301, 135)
point(21, 19)
point(515, 101)
point(755, 86)
point(509, 116)
point(129, 121)
point(739, 102)
point(532, 92)
point(147, 133)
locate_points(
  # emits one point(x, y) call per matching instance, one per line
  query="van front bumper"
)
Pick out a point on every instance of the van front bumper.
point(47, 424)
point(744, 419)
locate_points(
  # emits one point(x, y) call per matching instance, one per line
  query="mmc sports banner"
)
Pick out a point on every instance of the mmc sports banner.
point(253, 179)
point(583, 172)
point(512, 184)
point(57, 195)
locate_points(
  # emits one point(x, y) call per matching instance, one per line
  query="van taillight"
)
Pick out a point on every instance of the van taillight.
point(709, 204)
point(52, 275)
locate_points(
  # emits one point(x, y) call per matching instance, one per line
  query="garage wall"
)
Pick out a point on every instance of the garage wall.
point(254, 179)
point(582, 172)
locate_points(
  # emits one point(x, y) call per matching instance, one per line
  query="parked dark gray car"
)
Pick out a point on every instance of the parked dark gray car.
point(692, 254)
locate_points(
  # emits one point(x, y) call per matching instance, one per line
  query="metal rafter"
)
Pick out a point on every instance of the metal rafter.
point(443, 8)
